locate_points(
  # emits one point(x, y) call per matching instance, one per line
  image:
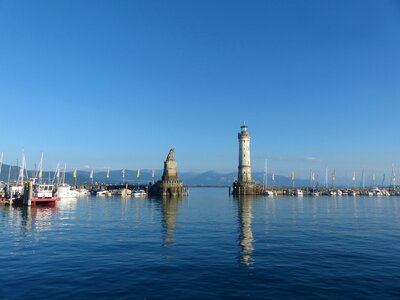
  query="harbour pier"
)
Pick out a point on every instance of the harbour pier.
point(111, 187)
point(310, 191)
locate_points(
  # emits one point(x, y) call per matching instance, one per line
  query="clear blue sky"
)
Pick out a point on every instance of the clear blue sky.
point(117, 83)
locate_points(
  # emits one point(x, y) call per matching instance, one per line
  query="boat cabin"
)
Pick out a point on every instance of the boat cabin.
point(15, 189)
point(43, 191)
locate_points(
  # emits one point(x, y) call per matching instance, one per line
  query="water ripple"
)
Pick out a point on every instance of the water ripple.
point(208, 246)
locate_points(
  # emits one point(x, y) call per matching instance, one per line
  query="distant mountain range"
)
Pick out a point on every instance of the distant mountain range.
point(209, 178)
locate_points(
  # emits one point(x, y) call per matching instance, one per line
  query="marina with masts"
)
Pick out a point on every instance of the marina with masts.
point(36, 190)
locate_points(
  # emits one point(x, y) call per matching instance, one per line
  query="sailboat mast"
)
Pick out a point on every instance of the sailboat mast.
point(393, 178)
point(363, 178)
point(314, 180)
point(383, 179)
point(1, 162)
point(25, 169)
point(9, 174)
point(39, 169)
point(326, 177)
point(20, 179)
point(56, 174)
point(65, 169)
point(292, 179)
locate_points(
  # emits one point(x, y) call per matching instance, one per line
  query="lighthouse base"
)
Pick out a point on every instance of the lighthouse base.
point(247, 188)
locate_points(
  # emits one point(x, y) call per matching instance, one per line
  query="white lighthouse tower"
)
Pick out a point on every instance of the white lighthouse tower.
point(244, 171)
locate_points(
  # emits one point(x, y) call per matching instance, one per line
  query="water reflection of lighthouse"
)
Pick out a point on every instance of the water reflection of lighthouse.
point(246, 239)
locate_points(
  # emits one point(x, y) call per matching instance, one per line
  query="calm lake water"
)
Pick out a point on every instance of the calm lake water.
point(208, 245)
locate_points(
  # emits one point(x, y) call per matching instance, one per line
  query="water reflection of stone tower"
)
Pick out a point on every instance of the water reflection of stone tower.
point(244, 169)
point(246, 239)
point(169, 209)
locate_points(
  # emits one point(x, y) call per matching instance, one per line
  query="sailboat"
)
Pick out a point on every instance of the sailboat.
point(314, 191)
point(266, 191)
point(15, 190)
point(365, 192)
point(42, 193)
point(64, 190)
point(393, 178)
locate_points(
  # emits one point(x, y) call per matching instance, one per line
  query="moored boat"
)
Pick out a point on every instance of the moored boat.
point(42, 193)
point(65, 191)
point(101, 193)
point(299, 193)
point(83, 192)
point(125, 192)
point(269, 193)
point(139, 193)
point(14, 190)
point(367, 193)
point(329, 193)
point(376, 191)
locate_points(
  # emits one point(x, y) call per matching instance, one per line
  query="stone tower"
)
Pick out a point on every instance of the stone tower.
point(170, 173)
point(169, 185)
point(244, 170)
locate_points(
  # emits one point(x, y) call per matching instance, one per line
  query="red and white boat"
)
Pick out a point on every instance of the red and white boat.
point(40, 191)
point(43, 193)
